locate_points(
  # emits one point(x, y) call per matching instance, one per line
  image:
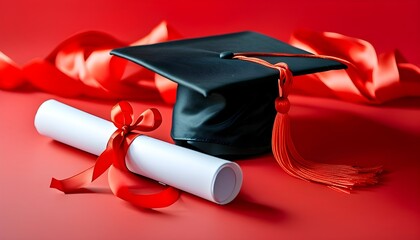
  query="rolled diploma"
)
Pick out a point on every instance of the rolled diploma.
point(211, 178)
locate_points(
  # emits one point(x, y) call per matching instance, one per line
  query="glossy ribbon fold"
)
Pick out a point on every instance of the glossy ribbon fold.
point(374, 79)
point(81, 66)
point(113, 158)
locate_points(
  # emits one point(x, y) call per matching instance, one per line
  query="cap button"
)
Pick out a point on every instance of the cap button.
point(226, 55)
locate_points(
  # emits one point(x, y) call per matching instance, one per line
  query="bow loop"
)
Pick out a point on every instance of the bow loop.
point(148, 121)
point(122, 114)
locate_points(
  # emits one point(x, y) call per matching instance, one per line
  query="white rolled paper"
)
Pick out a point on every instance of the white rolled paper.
point(209, 177)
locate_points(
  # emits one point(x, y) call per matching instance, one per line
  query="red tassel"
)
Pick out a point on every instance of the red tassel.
point(338, 177)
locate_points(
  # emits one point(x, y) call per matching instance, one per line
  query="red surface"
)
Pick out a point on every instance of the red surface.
point(271, 204)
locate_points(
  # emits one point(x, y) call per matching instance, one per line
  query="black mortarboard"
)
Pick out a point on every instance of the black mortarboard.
point(224, 107)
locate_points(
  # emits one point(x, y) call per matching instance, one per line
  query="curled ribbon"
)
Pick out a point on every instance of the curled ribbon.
point(374, 79)
point(81, 66)
point(113, 158)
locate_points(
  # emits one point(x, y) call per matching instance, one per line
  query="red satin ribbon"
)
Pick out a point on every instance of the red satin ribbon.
point(113, 158)
point(81, 66)
point(374, 79)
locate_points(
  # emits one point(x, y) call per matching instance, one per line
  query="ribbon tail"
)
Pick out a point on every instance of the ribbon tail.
point(102, 163)
point(118, 185)
point(111, 155)
point(74, 183)
point(11, 76)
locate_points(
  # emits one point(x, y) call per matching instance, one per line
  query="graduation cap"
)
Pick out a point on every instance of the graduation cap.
point(232, 99)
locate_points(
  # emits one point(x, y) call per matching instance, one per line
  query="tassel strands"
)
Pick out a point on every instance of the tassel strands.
point(338, 177)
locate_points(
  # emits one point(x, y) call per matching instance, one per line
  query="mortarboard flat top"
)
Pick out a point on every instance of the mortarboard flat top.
point(196, 63)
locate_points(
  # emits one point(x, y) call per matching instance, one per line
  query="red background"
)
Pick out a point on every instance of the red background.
point(32, 28)
point(271, 205)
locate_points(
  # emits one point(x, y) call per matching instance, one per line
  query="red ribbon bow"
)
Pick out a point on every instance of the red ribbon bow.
point(113, 158)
